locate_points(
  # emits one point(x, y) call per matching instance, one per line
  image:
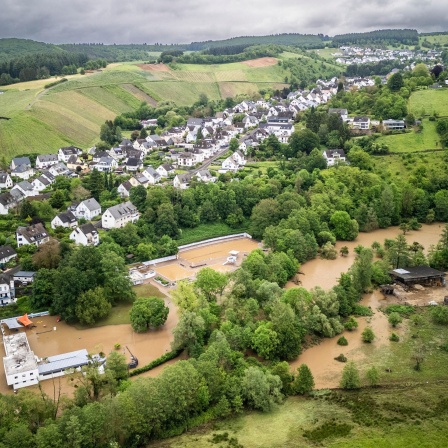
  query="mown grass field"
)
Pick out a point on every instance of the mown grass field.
point(409, 409)
point(413, 141)
point(441, 39)
point(206, 231)
point(429, 102)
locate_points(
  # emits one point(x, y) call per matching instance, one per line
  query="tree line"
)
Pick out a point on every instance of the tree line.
point(402, 36)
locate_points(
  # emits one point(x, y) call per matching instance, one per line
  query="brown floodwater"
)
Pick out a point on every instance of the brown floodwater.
point(325, 273)
point(45, 341)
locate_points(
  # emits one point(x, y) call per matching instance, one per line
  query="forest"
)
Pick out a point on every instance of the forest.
point(382, 37)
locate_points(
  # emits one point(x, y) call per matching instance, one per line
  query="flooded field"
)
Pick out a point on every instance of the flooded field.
point(213, 256)
point(325, 273)
point(45, 341)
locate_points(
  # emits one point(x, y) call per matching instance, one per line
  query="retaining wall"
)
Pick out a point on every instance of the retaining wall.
point(213, 241)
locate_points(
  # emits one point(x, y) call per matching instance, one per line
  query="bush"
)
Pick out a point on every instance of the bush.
point(55, 83)
point(402, 310)
point(368, 335)
point(117, 346)
point(394, 319)
point(157, 362)
point(351, 324)
point(394, 337)
point(361, 310)
point(440, 315)
point(342, 341)
point(341, 358)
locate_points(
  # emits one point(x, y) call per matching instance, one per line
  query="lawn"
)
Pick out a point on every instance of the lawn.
point(207, 231)
point(441, 39)
point(120, 312)
point(429, 102)
point(412, 141)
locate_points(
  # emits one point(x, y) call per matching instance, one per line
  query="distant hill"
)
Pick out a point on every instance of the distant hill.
point(294, 39)
point(11, 48)
point(406, 37)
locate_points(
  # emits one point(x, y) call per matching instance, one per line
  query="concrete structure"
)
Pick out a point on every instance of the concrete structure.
point(119, 215)
point(20, 363)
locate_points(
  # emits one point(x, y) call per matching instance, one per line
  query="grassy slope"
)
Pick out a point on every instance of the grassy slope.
point(72, 112)
point(428, 102)
point(410, 410)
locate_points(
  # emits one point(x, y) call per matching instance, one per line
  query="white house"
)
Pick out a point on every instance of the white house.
point(124, 189)
point(393, 124)
point(5, 180)
point(165, 170)
point(239, 158)
point(106, 164)
point(186, 159)
point(60, 169)
point(64, 154)
point(334, 156)
point(86, 235)
point(40, 183)
point(182, 181)
point(361, 123)
point(23, 171)
point(119, 215)
point(17, 161)
point(86, 209)
point(44, 161)
point(343, 113)
point(7, 291)
point(7, 253)
point(33, 234)
point(205, 176)
point(25, 188)
point(229, 164)
point(7, 201)
point(152, 175)
point(65, 219)
point(24, 277)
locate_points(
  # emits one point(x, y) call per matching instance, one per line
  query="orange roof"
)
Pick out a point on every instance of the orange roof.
point(24, 320)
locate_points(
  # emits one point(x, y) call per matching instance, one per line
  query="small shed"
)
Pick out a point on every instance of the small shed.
point(422, 275)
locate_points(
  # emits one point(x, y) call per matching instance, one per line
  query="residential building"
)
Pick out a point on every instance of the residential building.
point(393, 124)
point(17, 161)
point(64, 154)
point(40, 183)
point(152, 175)
point(65, 219)
point(343, 113)
point(22, 171)
point(119, 215)
point(362, 123)
point(205, 176)
point(7, 253)
point(33, 234)
point(44, 161)
point(182, 181)
point(24, 277)
point(25, 188)
point(6, 181)
point(124, 189)
point(334, 156)
point(7, 202)
point(106, 164)
point(87, 235)
point(86, 209)
point(165, 170)
point(7, 290)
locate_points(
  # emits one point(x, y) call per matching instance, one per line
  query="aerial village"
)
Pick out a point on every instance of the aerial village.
point(185, 153)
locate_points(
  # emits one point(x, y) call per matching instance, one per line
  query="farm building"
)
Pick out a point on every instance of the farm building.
point(421, 275)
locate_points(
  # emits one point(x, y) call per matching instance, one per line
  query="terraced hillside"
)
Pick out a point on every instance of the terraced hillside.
point(42, 120)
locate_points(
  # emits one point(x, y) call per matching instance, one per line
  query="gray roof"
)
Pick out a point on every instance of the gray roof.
point(91, 204)
point(88, 228)
point(25, 274)
point(150, 170)
point(67, 217)
point(47, 158)
point(127, 185)
point(7, 199)
point(44, 180)
point(35, 232)
point(25, 185)
point(64, 361)
point(21, 161)
point(7, 251)
point(71, 150)
point(117, 211)
point(21, 168)
point(3, 177)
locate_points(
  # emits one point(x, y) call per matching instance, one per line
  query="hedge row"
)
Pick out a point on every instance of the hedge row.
point(55, 83)
point(157, 362)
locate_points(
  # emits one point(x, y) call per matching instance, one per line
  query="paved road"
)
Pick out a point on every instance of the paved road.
point(208, 162)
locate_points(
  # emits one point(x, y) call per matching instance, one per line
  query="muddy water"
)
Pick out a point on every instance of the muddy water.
point(325, 273)
point(45, 341)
